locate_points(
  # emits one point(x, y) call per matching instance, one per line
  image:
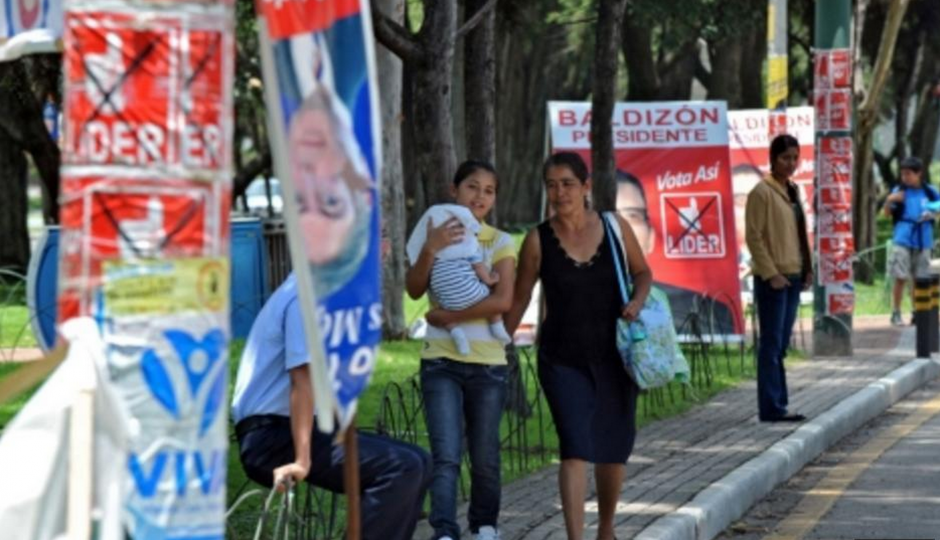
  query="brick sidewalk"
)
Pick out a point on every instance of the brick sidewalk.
point(20, 354)
point(675, 459)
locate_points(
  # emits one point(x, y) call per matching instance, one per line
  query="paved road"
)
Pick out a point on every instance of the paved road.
point(883, 482)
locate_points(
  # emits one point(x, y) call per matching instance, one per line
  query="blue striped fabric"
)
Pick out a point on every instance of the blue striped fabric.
point(455, 285)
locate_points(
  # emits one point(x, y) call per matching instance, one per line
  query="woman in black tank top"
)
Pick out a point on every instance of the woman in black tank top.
point(591, 397)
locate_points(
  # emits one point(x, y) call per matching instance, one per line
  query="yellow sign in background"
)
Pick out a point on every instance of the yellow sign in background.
point(166, 287)
point(776, 81)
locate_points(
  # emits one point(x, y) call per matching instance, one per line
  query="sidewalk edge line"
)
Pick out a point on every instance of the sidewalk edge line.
point(711, 511)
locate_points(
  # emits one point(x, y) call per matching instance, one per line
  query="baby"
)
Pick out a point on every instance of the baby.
point(459, 277)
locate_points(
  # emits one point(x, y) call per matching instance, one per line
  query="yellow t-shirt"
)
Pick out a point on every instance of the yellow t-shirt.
point(484, 348)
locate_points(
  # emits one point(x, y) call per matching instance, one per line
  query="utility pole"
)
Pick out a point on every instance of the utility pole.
point(834, 285)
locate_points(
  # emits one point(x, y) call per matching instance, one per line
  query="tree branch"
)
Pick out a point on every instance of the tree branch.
point(473, 21)
point(395, 37)
point(804, 44)
point(868, 109)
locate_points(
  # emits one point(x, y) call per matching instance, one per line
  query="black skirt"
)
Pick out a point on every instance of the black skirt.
point(593, 405)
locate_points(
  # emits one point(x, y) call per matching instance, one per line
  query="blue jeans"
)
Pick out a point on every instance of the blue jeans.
point(393, 475)
point(461, 397)
point(776, 312)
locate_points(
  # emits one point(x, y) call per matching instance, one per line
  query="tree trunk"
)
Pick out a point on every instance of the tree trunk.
point(14, 249)
point(902, 100)
point(925, 128)
point(676, 74)
point(415, 201)
point(863, 203)
point(528, 64)
point(642, 79)
point(753, 54)
point(858, 26)
point(457, 93)
point(480, 86)
point(607, 41)
point(393, 188)
point(429, 57)
point(480, 90)
point(923, 134)
point(432, 87)
point(725, 58)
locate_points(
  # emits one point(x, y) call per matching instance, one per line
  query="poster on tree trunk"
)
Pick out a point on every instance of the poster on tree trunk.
point(674, 188)
point(320, 88)
point(144, 241)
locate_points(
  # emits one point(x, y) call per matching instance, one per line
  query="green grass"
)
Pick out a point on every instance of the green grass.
point(15, 330)
point(875, 299)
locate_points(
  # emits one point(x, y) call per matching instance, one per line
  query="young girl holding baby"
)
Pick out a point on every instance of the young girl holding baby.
point(465, 392)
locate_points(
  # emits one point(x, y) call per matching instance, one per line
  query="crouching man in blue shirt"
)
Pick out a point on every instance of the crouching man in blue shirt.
point(277, 437)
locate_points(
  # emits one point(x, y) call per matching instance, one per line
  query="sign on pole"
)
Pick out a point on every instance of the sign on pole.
point(147, 166)
point(320, 89)
point(835, 247)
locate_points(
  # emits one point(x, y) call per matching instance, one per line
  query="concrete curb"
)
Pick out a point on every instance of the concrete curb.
point(718, 505)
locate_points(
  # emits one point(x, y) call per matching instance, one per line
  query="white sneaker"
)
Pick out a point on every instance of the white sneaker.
point(486, 533)
point(445, 538)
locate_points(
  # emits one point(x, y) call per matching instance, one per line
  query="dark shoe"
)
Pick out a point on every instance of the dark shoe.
point(786, 418)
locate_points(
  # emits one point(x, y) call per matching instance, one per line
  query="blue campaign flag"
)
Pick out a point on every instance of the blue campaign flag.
point(29, 27)
point(320, 87)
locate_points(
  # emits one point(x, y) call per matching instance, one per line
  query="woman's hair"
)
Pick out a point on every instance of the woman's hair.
point(567, 159)
point(781, 144)
point(467, 168)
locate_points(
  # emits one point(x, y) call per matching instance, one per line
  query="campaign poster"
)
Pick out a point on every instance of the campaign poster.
point(832, 99)
point(29, 27)
point(836, 245)
point(144, 241)
point(320, 84)
point(674, 188)
point(749, 143)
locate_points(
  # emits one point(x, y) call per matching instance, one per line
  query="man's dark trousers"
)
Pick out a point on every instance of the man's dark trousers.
point(393, 475)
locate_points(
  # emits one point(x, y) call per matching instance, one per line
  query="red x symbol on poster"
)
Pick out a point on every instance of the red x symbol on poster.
point(692, 225)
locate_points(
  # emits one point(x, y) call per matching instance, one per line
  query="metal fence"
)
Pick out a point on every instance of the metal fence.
point(526, 441)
